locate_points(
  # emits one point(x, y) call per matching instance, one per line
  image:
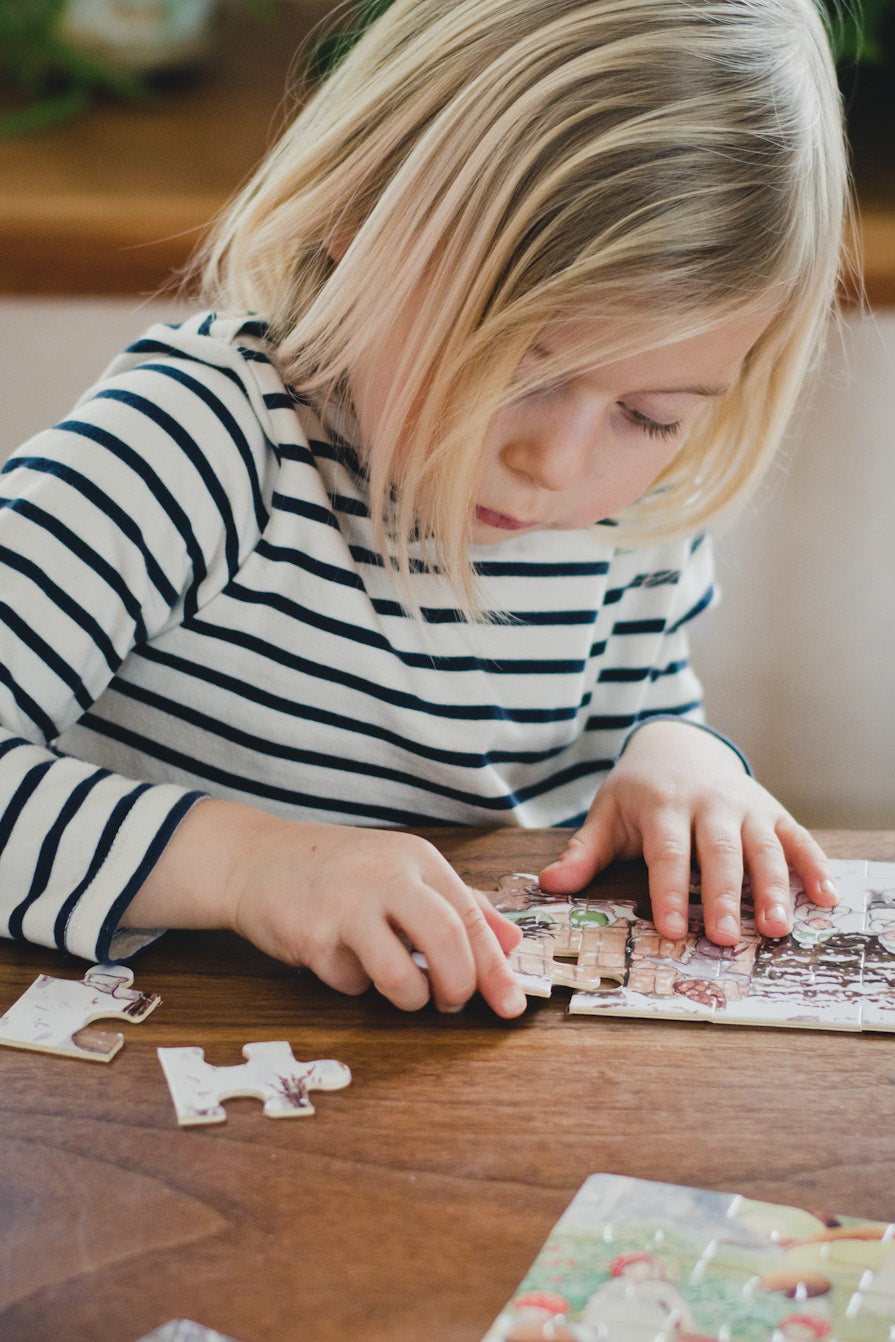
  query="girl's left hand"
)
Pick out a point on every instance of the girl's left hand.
point(679, 795)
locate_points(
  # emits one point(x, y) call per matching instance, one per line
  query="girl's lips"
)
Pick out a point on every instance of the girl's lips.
point(489, 518)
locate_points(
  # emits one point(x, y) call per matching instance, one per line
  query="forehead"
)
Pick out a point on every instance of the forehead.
point(708, 356)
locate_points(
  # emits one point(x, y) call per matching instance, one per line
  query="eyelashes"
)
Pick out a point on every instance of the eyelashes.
point(651, 427)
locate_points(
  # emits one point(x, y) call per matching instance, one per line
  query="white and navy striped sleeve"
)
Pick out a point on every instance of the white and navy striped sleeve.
point(673, 687)
point(99, 554)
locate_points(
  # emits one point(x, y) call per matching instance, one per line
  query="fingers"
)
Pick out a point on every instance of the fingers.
point(806, 857)
point(593, 847)
point(666, 851)
point(767, 846)
point(769, 878)
point(507, 933)
point(464, 954)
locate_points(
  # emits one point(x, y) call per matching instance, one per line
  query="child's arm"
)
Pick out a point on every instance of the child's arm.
point(341, 900)
point(678, 794)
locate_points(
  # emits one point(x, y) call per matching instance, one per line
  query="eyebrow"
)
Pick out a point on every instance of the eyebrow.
point(699, 390)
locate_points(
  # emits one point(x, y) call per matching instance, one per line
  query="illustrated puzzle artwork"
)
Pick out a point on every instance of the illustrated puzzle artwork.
point(56, 1015)
point(635, 1261)
point(271, 1074)
point(835, 971)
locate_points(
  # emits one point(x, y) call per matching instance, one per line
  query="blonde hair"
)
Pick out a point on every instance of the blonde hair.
point(485, 167)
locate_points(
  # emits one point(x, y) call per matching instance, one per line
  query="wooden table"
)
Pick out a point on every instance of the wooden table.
point(410, 1206)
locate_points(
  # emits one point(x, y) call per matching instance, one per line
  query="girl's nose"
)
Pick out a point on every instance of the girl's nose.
point(556, 455)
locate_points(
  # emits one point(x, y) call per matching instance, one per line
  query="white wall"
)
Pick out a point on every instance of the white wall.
point(798, 661)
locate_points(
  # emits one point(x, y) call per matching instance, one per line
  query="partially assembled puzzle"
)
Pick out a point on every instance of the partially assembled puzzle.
point(636, 1261)
point(835, 971)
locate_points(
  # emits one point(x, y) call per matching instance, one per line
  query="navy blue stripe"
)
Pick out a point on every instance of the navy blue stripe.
point(150, 857)
point(230, 425)
point(672, 669)
point(19, 801)
point(702, 604)
point(76, 613)
point(106, 504)
point(88, 556)
point(198, 460)
point(44, 724)
point(627, 627)
point(608, 722)
point(495, 568)
point(49, 848)
point(533, 619)
point(218, 729)
point(156, 486)
point(204, 769)
point(623, 675)
point(253, 787)
point(121, 810)
point(300, 559)
point(659, 578)
point(370, 638)
point(314, 512)
point(23, 631)
point(676, 710)
point(243, 690)
point(459, 712)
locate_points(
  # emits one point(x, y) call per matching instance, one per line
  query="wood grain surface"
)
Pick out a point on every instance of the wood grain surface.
point(411, 1204)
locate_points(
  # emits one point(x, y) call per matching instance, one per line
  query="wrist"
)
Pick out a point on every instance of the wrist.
point(687, 722)
point(197, 881)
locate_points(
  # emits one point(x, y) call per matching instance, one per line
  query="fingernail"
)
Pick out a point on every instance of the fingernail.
point(828, 887)
point(675, 925)
point(451, 1010)
point(729, 926)
point(778, 914)
point(514, 1002)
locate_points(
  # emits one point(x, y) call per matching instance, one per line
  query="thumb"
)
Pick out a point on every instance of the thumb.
point(589, 850)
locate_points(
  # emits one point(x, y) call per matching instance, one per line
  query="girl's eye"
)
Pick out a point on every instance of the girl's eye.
point(652, 427)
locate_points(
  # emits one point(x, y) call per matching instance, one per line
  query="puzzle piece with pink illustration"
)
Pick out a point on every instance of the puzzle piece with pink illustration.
point(631, 1260)
point(835, 970)
point(271, 1074)
point(57, 1015)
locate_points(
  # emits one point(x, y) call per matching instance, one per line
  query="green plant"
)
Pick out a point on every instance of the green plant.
point(861, 30)
point(46, 79)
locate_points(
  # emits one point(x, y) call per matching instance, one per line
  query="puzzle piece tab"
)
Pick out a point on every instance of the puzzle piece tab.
point(56, 1015)
point(271, 1074)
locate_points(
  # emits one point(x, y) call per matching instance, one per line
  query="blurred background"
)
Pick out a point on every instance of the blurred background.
point(126, 124)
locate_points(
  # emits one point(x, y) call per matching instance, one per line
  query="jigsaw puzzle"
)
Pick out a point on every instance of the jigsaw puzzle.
point(635, 1261)
point(836, 969)
point(56, 1015)
point(271, 1074)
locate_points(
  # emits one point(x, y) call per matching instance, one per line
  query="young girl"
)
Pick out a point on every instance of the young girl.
point(409, 529)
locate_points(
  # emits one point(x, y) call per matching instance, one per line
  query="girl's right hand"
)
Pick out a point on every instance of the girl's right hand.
point(345, 901)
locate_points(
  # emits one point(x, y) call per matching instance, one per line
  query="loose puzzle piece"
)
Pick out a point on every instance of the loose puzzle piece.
point(635, 1261)
point(836, 970)
point(271, 1074)
point(56, 1015)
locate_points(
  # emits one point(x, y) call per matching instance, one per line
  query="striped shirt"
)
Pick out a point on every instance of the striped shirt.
point(193, 604)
